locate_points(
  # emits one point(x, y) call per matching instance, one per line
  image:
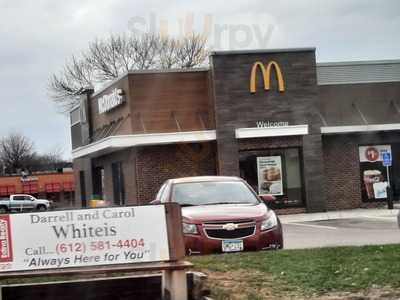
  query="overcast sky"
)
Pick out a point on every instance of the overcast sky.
point(38, 36)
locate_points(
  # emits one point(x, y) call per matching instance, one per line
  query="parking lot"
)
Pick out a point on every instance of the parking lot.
point(355, 231)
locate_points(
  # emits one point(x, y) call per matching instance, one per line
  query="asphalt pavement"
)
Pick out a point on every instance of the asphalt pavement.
point(346, 228)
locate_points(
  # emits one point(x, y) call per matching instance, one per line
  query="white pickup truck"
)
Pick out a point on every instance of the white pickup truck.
point(22, 202)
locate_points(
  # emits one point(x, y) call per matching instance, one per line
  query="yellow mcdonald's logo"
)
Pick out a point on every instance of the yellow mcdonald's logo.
point(266, 73)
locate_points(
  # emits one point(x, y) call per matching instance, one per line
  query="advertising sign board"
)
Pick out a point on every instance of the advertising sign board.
point(81, 238)
point(374, 163)
point(373, 153)
point(269, 169)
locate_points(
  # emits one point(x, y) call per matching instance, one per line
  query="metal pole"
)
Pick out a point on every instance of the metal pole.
point(389, 195)
point(387, 174)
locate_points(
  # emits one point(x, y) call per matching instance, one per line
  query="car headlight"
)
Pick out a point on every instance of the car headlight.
point(189, 228)
point(270, 222)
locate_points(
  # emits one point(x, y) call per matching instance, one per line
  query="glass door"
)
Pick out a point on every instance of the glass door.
point(118, 183)
point(276, 172)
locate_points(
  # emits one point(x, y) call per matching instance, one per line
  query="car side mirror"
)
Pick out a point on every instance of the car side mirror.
point(267, 199)
point(155, 202)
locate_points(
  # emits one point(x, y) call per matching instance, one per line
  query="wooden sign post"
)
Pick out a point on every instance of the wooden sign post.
point(101, 240)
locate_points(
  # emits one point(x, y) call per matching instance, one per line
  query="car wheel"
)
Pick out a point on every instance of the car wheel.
point(3, 210)
point(41, 208)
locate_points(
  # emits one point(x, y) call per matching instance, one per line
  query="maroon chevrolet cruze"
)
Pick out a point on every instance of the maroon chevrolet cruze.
point(222, 214)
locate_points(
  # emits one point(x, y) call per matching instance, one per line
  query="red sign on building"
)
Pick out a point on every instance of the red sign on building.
point(6, 254)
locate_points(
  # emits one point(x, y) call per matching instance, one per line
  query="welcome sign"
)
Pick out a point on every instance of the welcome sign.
point(80, 238)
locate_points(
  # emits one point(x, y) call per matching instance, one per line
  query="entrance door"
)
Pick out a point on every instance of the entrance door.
point(118, 183)
point(98, 182)
point(83, 188)
point(276, 172)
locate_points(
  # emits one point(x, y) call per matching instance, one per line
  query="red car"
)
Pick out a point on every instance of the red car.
point(222, 214)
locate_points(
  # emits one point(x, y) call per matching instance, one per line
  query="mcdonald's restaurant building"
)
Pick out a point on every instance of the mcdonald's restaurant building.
point(318, 136)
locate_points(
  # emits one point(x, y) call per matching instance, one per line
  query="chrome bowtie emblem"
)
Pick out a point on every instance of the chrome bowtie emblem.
point(229, 226)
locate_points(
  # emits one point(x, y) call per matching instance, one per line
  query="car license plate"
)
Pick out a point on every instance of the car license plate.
point(232, 245)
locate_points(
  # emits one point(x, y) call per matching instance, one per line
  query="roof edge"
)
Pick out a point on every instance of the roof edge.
point(255, 51)
point(358, 62)
point(108, 85)
point(149, 71)
point(175, 70)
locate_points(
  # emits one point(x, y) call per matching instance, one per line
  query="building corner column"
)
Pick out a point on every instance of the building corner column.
point(83, 193)
point(227, 153)
point(314, 175)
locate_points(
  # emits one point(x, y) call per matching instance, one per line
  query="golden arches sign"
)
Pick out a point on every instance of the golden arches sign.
point(266, 74)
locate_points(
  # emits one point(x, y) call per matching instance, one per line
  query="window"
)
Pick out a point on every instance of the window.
point(208, 193)
point(69, 198)
point(275, 171)
point(82, 185)
point(158, 197)
point(75, 116)
point(118, 183)
point(98, 182)
point(55, 197)
point(19, 198)
point(165, 193)
point(293, 176)
point(374, 174)
point(82, 111)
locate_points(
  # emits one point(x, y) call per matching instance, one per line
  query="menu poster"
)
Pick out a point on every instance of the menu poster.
point(269, 170)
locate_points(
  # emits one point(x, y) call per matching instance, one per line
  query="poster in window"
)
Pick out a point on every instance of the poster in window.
point(373, 172)
point(373, 153)
point(269, 169)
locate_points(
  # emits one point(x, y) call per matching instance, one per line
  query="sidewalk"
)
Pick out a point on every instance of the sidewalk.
point(378, 213)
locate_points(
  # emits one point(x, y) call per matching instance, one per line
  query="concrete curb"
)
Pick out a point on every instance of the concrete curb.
point(343, 214)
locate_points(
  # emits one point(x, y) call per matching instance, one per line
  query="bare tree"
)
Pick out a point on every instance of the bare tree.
point(49, 161)
point(145, 51)
point(66, 87)
point(190, 52)
point(107, 59)
point(17, 154)
point(16, 151)
point(167, 51)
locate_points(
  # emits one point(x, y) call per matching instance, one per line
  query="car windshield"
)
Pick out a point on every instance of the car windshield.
point(209, 193)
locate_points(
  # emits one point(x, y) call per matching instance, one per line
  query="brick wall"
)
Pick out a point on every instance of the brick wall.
point(290, 211)
point(155, 164)
point(342, 171)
